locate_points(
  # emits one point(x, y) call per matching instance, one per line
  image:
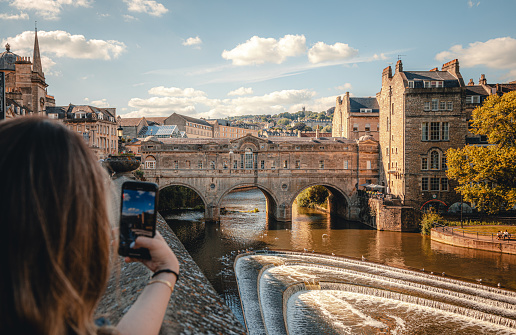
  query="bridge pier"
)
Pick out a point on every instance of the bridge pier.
point(283, 213)
point(212, 213)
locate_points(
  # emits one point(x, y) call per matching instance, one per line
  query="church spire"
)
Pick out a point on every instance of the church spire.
point(36, 65)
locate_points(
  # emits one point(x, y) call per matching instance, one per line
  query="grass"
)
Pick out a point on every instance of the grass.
point(489, 229)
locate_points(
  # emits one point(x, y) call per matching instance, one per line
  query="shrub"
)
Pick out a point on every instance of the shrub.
point(428, 220)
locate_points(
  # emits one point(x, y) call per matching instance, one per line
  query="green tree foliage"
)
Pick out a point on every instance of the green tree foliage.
point(326, 129)
point(299, 126)
point(428, 220)
point(284, 122)
point(487, 175)
point(315, 195)
point(179, 197)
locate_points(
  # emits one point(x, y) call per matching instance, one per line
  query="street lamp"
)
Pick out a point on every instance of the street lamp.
point(120, 133)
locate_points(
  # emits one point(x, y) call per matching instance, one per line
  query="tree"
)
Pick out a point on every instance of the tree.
point(284, 121)
point(487, 174)
point(326, 129)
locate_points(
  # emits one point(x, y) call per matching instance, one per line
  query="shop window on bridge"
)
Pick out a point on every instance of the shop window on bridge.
point(199, 165)
point(273, 165)
point(298, 164)
point(262, 165)
point(176, 165)
point(212, 165)
point(346, 166)
point(248, 159)
point(285, 164)
point(235, 164)
point(150, 163)
point(321, 164)
point(225, 165)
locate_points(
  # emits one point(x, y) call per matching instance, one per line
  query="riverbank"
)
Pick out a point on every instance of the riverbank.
point(447, 235)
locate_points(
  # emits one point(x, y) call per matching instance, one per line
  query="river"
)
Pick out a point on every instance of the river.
point(214, 246)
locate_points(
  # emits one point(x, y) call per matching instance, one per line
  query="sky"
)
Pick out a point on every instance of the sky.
point(215, 59)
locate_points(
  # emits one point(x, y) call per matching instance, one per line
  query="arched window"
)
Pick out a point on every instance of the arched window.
point(150, 162)
point(434, 160)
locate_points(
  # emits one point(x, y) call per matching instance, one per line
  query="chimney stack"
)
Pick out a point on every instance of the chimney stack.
point(483, 80)
point(399, 66)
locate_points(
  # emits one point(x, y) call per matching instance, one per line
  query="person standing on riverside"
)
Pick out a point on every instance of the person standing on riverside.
point(56, 252)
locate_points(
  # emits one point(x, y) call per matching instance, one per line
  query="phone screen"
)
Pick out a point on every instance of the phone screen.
point(137, 217)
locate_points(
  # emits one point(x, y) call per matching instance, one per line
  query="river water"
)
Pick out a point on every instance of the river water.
point(214, 246)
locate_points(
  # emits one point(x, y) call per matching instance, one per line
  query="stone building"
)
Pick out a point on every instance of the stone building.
point(25, 85)
point(225, 129)
point(421, 116)
point(192, 127)
point(356, 117)
point(133, 126)
point(96, 125)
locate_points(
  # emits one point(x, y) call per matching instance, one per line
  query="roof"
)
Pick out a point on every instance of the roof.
point(158, 131)
point(192, 119)
point(429, 75)
point(129, 121)
point(368, 103)
point(476, 90)
point(7, 59)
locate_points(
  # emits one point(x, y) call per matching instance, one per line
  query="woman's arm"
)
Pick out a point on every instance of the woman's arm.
point(147, 313)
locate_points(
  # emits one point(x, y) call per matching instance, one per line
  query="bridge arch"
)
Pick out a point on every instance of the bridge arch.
point(271, 200)
point(199, 193)
point(338, 201)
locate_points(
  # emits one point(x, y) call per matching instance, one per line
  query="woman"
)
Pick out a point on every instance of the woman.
point(56, 237)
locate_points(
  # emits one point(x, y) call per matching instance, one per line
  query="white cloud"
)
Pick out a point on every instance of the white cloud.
point(258, 50)
point(102, 103)
point(64, 44)
point(192, 41)
point(48, 9)
point(21, 16)
point(381, 56)
point(346, 86)
point(473, 4)
point(150, 7)
point(129, 18)
point(497, 53)
point(201, 106)
point(241, 91)
point(176, 92)
point(322, 52)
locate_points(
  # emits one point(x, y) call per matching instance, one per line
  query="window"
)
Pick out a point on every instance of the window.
point(424, 163)
point(424, 184)
point(199, 165)
point(473, 99)
point(434, 160)
point(387, 151)
point(285, 164)
point(366, 110)
point(187, 164)
point(427, 106)
point(298, 164)
point(444, 165)
point(345, 165)
point(298, 147)
point(445, 131)
point(367, 127)
point(321, 164)
point(444, 184)
point(426, 84)
point(150, 163)
point(411, 84)
point(434, 184)
point(176, 165)
point(262, 165)
point(368, 165)
point(449, 105)
point(235, 164)
point(212, 165)
point(273, 165)
point(442, 105)
point(355, 127)
point(434, 131)
point(424, 131)
point(225, 165)
point(248, 160)
point(435, 104)
point(387, 124)
point(392, 108)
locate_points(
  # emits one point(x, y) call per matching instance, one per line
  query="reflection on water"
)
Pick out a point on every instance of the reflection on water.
point(214, 246)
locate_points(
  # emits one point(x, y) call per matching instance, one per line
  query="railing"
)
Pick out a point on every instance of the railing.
point(478, 235)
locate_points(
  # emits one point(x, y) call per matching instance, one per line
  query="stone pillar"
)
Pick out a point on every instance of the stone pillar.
point(212, 213)
point(284, 212)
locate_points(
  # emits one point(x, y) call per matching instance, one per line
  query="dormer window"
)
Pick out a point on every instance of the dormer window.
point(433, 83)
point(366, 110)
point(411, 84)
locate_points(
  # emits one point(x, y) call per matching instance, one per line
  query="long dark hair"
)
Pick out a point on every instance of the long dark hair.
point(54, 227)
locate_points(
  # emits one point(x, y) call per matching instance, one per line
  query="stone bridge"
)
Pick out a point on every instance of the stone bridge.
point(280, 167)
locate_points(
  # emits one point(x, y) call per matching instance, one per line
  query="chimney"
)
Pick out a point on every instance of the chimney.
point(471, 83)
point(434, 69)
point(483, 80)
point(317, 132)
point(399, 66)
point(387, 72)
point(452, 67)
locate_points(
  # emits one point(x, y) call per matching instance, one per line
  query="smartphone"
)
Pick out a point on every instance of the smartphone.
point(137, 216)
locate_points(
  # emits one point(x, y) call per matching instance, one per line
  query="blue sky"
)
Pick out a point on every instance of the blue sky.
point(224, 58)
point(137, 202)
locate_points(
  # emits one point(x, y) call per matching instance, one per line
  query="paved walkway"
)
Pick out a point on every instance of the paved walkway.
point(472, 235)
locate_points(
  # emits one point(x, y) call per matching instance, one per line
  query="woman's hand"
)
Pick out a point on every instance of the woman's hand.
point(162, 257)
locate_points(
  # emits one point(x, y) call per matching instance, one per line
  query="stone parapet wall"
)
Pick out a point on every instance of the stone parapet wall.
point(506, 247)
point(194, 308)
point(394, 218)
